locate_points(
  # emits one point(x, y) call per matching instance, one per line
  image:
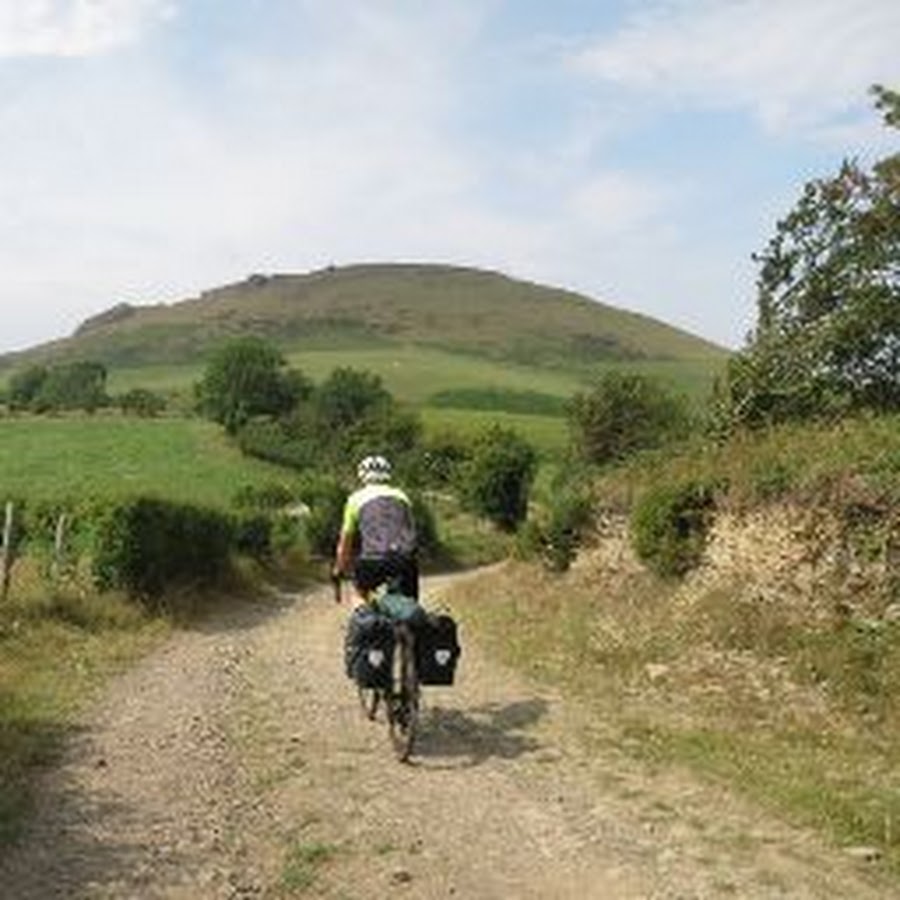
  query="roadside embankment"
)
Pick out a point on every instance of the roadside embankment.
point(773, 666)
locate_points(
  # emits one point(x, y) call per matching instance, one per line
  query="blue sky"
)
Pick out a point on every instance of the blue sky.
point(636, 151)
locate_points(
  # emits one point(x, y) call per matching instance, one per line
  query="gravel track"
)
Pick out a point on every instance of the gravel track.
point(235, 763)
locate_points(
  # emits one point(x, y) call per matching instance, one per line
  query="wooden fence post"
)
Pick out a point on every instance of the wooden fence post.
point(6, 560)
point(59, 547)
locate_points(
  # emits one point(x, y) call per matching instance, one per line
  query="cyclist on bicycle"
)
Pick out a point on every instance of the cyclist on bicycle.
point(377, 543)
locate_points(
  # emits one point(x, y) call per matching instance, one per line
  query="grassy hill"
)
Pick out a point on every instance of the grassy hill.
point(457, 310)
point(462, 345)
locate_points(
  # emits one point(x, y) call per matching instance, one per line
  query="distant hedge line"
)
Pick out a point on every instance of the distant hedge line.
point(500, 400)
point(140, 545)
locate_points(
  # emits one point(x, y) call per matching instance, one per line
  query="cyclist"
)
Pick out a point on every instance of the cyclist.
point(377, 542)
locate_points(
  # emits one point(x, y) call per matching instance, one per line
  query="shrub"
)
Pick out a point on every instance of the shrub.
point(438, 460)
point(555, 537)
point(253, 536)
point(76, 385)
point(426, 528)
point(571, 513)
point(287, 533)
point(141, 402)
point(625, 413)
point(669, 526)
point(496, 480)
point(325, 496)
point(146, 545)
point(273, 442)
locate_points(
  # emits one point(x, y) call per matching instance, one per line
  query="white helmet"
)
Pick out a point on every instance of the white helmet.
point(374, 469)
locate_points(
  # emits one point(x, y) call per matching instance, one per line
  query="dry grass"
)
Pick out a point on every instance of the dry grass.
point(803, 720)
point(56, 650)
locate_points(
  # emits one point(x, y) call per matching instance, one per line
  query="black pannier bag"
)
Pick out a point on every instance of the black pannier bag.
point(437, 649)
point(369, 648)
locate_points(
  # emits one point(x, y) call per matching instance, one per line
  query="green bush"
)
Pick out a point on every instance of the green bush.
point(496, 480)
point(325, 496)
point(145, 546)
point(571, 513)
point(142, 402)
point(426, 528)
point(554, 537)
point(624, 413)
point(253, 536)
point(669, 526)
point(287, 533)
point(437, 460)
point(75, 385)
point(273, 442)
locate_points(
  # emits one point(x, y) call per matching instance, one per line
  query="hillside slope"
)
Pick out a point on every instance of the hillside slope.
point(456, 309)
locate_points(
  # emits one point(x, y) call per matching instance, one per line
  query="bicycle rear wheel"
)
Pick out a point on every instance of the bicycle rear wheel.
point(403, 706)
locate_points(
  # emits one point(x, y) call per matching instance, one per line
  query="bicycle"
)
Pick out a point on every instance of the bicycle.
point(400, 697)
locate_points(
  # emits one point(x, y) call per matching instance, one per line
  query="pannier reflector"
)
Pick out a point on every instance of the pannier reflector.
point(375, 657)
point(442, 657)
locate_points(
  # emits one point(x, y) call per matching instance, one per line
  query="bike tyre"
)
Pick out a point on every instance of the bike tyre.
point(403, 707)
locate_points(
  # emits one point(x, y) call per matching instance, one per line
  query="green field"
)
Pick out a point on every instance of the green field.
point(184, 459)
point(412, 373)
point(160, 378)
point(547, 434)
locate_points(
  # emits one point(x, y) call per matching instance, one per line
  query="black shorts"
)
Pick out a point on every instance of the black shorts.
point(369, 574)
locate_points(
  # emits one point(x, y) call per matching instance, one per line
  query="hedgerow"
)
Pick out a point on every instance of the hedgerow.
point(146, 545)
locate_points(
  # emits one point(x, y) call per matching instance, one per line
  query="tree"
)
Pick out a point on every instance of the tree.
point(624, 413)
point(76, 385)
point(496, 480)
point(353, 413)
point(827, 338)
point(24, 386)
point(247, 377)
point(347, 397)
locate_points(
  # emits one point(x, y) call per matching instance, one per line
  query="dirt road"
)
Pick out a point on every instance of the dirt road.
point(234, 763)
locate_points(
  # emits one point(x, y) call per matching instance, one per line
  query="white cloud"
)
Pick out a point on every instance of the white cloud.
point(138, 181)
point(795, 63)
point(616, 203)
point(130, 178)
point(75, 28)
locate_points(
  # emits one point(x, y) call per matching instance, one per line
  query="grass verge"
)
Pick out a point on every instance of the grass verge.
point(805, 721)
point(55, 653)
